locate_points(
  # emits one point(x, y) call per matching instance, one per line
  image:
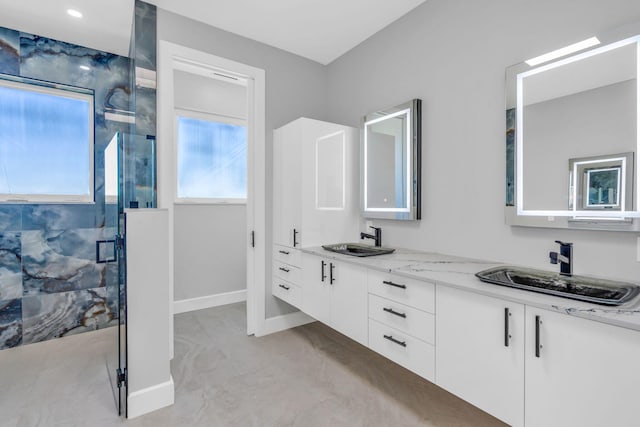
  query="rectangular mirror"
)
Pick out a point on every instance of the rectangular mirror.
point(572, 138)
point(391, 160)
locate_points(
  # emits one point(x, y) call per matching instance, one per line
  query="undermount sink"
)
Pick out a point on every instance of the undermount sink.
point(356, 249)
point(598, 291)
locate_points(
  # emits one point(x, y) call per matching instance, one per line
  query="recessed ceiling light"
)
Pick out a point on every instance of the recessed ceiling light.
point(84, 67)
point(74, 13)
point(593, 41)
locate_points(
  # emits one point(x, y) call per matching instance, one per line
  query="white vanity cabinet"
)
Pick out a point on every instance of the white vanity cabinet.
point(335, 293)
point(480, 352)
point(581, 373)
point(534, 367)
point(402, 321)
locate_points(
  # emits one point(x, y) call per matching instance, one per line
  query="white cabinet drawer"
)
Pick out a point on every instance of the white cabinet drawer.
point(287, 291)
point(414, 293)
point(407, 319)
point(287, 272)
point(287, 255)
point(415, 355)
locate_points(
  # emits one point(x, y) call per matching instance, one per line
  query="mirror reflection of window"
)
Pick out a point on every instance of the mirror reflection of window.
point(603, 186)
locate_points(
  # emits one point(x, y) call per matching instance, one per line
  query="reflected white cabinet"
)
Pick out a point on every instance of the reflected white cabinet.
point(315, 183)
point(584, 373)
point(480, 352)
point(335, 293)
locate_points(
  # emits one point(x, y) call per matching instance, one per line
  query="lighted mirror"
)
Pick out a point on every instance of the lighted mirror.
point(391, 146)
point(572, 136)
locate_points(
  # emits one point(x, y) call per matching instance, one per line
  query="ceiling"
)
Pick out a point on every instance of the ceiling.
point(320, 30)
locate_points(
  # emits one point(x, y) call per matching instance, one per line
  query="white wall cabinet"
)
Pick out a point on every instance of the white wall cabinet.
point(335, 293)
point(315, 183)
point(287, 186)
point(480, 352)
point(582, 373)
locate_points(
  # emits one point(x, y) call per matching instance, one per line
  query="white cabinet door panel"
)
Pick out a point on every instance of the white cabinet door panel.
point(586, 374)
point(349, 301)
point(472, 358)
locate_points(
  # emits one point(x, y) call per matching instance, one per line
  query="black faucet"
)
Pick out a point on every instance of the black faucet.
point(377, 236)
point(565, 257)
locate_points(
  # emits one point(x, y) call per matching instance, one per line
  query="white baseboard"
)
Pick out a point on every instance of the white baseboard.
point(281, 323)
point(193, 304)
point(150, 399)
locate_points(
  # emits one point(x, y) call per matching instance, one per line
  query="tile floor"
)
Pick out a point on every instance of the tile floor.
point(308, 376)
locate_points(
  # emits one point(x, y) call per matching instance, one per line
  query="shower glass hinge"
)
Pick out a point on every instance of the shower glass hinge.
point(119, 241)
point(122, 377)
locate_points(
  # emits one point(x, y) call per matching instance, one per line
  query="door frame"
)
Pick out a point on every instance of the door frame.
point(170, 56)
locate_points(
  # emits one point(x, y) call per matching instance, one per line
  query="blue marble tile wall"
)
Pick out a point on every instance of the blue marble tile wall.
point(510, 150)
point(144, 40)
point(50, 283)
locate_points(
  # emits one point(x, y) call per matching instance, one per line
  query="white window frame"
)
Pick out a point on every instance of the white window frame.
point(210, 117)
point(62, 91)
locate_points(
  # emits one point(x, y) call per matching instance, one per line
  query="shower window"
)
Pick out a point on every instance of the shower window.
point(46, 142)
point(212, 158)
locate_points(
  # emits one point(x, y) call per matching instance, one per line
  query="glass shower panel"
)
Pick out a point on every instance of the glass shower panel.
point(130, 182)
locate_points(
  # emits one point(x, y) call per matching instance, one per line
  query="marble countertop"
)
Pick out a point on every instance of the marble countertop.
point(460, 272)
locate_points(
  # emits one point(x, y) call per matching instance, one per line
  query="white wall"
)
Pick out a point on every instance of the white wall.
point(210, 252)
point(295, 87)
point(452, 54)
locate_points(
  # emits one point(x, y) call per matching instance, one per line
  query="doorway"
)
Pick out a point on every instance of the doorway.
point(221, 249)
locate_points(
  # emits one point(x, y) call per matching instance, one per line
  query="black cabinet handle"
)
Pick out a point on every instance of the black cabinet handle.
point(392, 311)
point(284, 252)
point(286, 288)
point(295, 234)
point(322, 274)
point(286, 270)
point(331, 278)
point(390, 283)
point(538, 346)
point(392, 339)
point(507, 336)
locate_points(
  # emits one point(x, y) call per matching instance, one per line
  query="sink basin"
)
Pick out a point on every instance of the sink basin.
point(598, 291)
point(356, 249)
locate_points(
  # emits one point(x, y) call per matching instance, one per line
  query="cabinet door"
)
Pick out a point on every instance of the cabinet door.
point(316, 290)
point(477, 357)
point(585, 373)
point(287, 184)
point(349, 301)
point(330, 176)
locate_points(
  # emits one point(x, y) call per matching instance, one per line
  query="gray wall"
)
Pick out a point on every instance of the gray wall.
point(295, 87)
point(210, 252)
point(452, 54)
point(596, 122)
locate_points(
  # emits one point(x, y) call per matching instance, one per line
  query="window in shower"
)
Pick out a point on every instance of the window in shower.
point(46, 142)
point(212, 158)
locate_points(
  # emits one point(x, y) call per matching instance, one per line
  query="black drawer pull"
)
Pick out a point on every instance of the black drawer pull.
point(322, 275)
point(392, 339)
point(507, 335)
point(286, 288)
point(390, 283)
point(284, 252)
point(392, 311)
point(538, 345)
point(286, 270)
